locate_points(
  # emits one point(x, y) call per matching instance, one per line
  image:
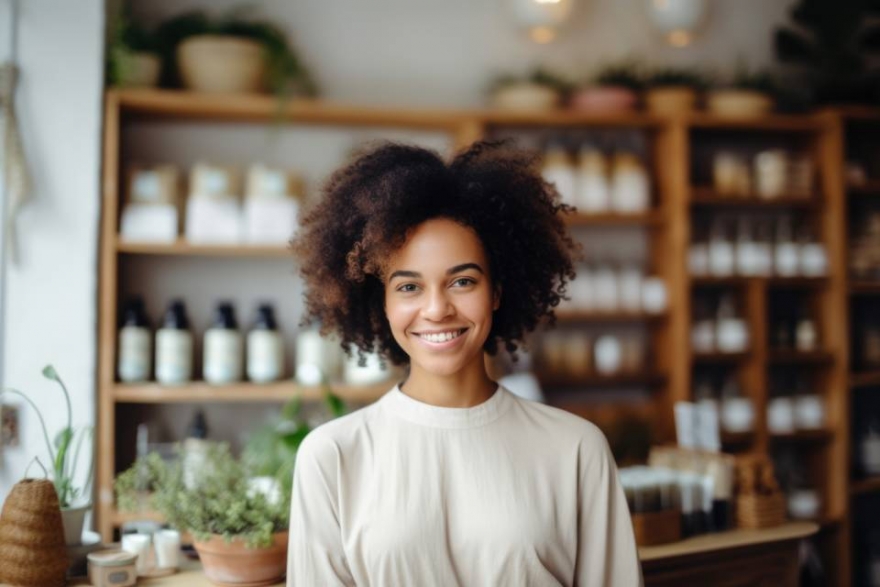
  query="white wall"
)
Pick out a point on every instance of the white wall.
point(51, 296)
point(407, 52)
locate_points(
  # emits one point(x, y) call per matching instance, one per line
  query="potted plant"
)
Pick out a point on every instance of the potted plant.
point(673, 90)
point(65, 454)
point(239, 531)
point(133, 58)
point(231, 54)
point(748, 95)
point(540, 90)
point(614, 88)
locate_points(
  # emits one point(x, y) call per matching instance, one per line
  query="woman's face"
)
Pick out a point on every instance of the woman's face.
point(439, 298)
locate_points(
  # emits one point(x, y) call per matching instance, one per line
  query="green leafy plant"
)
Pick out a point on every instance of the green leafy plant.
point(271, 450)
point(286, 74)
point(835, 46)
point(540, 76)
point(125, 38)
point(64, 462)
point(220, 502)
point(677, 76)
point(626, 74)
point(755, 80)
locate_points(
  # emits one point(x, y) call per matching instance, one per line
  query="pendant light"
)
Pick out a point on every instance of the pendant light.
point(542, 19)
point(678, 21)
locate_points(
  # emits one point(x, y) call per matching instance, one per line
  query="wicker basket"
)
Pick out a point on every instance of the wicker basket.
point(760, 511)
point(32, 550)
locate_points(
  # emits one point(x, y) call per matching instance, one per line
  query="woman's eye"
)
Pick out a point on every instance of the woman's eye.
point(463, 282)
point(407, 287)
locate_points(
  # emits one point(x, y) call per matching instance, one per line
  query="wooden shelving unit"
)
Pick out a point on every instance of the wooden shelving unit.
point(678, 196)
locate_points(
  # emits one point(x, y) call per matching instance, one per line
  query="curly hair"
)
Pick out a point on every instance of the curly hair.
point(370, 206)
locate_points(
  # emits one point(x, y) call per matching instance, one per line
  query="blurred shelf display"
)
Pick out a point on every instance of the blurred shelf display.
point(774, 184)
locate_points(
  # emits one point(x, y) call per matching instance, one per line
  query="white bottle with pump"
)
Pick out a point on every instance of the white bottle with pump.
point(223, 353)
point(135, 346)
point(265, 348)
point(174, 346)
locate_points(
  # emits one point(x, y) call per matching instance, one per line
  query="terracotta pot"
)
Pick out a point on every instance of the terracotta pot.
point(221, 64)
point(525, 96)
point(671, 99)
point(739, 103)
point(605, 99)
point(140, 70)
point(233, 564)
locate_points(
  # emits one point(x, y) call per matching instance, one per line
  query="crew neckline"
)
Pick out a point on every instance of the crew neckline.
point(424, 414)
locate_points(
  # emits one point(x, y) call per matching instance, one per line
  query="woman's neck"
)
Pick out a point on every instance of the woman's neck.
point(464, 389)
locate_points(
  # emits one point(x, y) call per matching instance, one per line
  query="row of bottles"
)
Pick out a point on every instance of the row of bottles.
point(769, 174)
point(597, 183)
point(723, 330)
point(222, 352)
point(575, 354)
point(609, 288)
point(752, 247)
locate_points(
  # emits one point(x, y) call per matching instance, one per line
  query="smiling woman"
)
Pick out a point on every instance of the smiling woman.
point(449, 479)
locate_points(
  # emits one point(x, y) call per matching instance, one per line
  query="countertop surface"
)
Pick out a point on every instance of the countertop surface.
point(190, 574)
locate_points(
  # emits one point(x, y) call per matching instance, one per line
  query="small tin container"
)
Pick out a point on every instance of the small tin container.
point(112, 568)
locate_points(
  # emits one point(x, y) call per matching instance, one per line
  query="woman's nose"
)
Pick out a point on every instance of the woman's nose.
point(437, 305)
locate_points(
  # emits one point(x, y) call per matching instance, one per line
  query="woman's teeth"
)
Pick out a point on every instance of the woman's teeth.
point(441, 336)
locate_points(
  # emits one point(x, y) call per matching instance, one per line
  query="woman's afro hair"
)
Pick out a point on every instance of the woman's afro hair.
point(369, 206)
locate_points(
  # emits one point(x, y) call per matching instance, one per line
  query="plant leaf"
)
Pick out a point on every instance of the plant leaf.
point(292, 440)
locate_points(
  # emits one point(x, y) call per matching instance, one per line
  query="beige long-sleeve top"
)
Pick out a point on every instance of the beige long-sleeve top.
point(509, 492)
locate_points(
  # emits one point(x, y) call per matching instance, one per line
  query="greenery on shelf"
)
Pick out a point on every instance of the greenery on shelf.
point(626, 74)
point(220, 502)
point(540, 76)
point(835, 46)
point(67, 446)
point(286, 74)
point(755, 80)
point(677, 76)
point(271, 450)
point(125, 38)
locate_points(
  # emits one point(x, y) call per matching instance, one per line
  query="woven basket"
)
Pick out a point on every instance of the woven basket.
point(760, 511)
point(32, 550)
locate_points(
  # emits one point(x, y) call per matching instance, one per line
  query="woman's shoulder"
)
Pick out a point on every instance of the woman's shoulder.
point(342, 432)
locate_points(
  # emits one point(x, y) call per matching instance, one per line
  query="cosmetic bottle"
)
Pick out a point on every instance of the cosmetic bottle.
point(174, 346)
point(265, 348)
point(135, 348)
point(222, 352)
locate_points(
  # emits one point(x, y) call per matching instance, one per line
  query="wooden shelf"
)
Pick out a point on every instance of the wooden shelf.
point(770, 282)
point(576, 316)
point(787, 357)
point(154, 393)
point(647, 219)
point(737, 438)
point(867, 287)
point(771, 122)
point(568, 118)
point(865, 486)
point(706, 196)
point(622, 380)
point(183, 248)
point(820, 435)
point(864, 379)
point(725, 358)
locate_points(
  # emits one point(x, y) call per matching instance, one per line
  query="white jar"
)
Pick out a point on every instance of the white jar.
point(630, 185)
point(559, 171)
point(608, 355)
point(223, 349)
point(780, 415)
point(803, 504)
point(722, 256)
point(771, 173)
point(655, 298)
point(582, 290)
point(318, 358)
point(732, 335)
point(809, 412)
point(703, 336)
point(698, 259)
point(814, 260)
point(606, 290)
point(593, 189)
point(630, 289)
point(737, 414)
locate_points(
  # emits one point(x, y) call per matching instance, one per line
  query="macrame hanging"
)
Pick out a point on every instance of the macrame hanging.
point(14, 170)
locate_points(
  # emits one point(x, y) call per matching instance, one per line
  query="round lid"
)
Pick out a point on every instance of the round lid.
point(112, 558)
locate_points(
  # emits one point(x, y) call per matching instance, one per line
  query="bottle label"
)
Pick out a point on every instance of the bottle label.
point(134, 354)
point(265, 356)
point(222, 356)
point(173, 356)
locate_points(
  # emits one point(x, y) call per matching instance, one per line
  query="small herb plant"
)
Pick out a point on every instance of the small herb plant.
point(286, 74)
point(66, 448)
point(755, 80)
point(220, 503)
point(540, 76)
point(127, 37)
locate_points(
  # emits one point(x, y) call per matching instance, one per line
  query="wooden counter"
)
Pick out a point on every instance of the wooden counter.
point(727, 559)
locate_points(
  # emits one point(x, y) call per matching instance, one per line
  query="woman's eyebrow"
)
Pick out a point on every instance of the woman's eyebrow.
point(463, 267)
